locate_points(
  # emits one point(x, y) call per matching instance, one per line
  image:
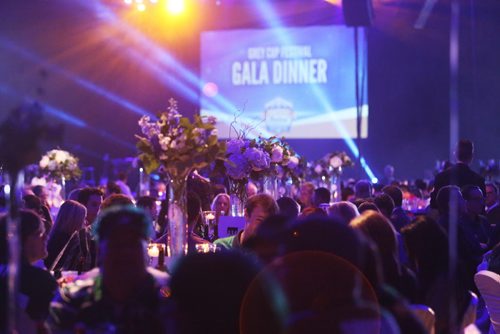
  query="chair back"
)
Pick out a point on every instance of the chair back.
point(426, 315)
point(488, 284)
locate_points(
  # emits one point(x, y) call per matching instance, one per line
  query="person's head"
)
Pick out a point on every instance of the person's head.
point(221, 204)
point(122, 233)
point(427, 245)
point(491, 194)
point(464, 151)
point(449, 197)
point(40, 192)
point(73, 195)
point(385, 204)
point(345, 211)
point(321, 195)
point(288, 207)
point(368, 206)
point(474, 199)
point(257, 209)
point(148, 204)
point(389, 172)
point(92, 199)
point(32, 236)
point(363, 189)
point(252, 189)
point(116, 200)
point(395, 193)
point(70, 218)
point(379, 229)
point(306, 193)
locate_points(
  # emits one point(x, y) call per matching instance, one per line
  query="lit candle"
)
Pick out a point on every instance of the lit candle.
point(210, 216)
point(153, 251)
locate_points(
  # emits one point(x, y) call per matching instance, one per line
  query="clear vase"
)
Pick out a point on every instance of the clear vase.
point(237, 194)
point(270, 186)
point(177, 243)
point(336, 185)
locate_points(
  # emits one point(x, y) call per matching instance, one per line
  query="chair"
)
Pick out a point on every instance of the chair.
point(426, 315)
point(488, 284)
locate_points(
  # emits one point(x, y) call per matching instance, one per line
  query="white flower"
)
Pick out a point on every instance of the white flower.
point(164, 141)
point(277, 154)
point(318, 169)
point(44, 162)
point(213, 132)
point(52, 165)
point(211, 119)
point(293, 162)
point(61, 156)
point(335, 162)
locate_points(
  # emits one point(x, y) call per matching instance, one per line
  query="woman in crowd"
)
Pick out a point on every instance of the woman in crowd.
point(69, 242)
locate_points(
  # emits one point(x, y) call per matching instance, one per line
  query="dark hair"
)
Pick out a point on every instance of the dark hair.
point(321, 195)
point(116, 200)
point(385, 204)
point(468, 189)
point(147, 202)
point(265, 201)
point(119, 217)
point(288, 207)
point(395, 193)
point(494, 260)
point(193, 207)
point(363, 189)
point(85, 194)
point(465, 150)
point(29, 223)
point(444, 196)
point(427, 244)
point(37, 190)
point(368, 206)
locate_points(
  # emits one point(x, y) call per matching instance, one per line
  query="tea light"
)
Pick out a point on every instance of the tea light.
point(154, 251)
point(210, 216)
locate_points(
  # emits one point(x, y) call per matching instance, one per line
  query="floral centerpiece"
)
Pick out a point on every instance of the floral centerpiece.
point(336, 161)
point(57, 164)
point(245, 160)
point(284, 165)
point(176, 145)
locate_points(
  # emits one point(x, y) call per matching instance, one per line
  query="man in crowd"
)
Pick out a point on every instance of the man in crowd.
point(460, 174)
point(257, 209)
point(91, 198)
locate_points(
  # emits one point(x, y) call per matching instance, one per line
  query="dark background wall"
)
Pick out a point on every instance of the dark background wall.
point(72, 56)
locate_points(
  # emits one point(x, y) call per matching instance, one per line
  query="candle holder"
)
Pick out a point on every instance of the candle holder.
point(211, 230)
point(156, 255)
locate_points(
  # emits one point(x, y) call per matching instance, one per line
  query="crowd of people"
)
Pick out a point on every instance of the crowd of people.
point(301, 264)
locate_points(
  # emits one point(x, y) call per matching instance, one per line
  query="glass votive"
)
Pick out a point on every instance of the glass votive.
point(206, 248)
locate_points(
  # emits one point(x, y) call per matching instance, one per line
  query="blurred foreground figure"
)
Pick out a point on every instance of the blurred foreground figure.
point(123, 295)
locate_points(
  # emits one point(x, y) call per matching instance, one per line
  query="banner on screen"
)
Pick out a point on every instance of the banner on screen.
point(292, 82)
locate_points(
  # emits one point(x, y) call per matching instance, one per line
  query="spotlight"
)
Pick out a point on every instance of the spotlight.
point(141, 7)
point(127, 2)
point(175, 7)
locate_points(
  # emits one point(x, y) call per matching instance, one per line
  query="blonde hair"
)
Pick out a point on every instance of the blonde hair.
point(216, 200)
point(70, 218)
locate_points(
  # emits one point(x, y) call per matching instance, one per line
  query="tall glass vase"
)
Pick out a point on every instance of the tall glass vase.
point(177, 243)
point(336, 184)
point(270, 186)
point(237, 194)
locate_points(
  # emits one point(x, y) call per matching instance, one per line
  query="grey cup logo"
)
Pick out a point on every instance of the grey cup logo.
point(279, 115)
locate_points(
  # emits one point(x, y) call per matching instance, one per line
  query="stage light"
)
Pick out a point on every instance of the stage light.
point(175, 7)
point(127, 2)
point(141, 7)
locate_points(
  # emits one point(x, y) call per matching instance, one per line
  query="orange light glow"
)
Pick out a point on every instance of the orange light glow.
point(175, 7)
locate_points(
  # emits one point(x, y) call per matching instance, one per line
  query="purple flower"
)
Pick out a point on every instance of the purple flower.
point(258, 159)
point(234, 146)
point(237, 166)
